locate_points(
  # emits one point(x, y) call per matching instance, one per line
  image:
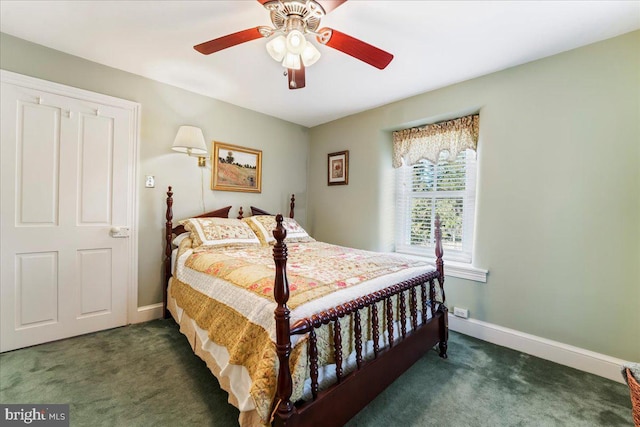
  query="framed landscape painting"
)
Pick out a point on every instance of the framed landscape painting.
point(236, 168)
point(338, 172)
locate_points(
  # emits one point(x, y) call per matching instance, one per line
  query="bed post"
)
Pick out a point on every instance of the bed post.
point(442, 308)
point(292, 205)
point(167, 251)
point(283, 404)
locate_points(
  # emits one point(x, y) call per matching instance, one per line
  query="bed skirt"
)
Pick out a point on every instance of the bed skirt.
point(214, 356)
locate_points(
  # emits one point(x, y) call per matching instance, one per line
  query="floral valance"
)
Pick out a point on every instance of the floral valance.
point(427, 142)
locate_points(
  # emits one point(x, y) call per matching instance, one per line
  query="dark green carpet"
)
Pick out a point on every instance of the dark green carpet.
point(146, 375)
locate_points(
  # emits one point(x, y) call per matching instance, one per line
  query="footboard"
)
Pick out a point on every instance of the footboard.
point(417, 333)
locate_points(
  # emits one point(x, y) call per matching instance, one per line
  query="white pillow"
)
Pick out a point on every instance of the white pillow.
point(179, 238)
point(263, 226)
point(213, 231)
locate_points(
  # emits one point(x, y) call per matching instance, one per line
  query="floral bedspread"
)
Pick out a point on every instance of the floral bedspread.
point(314, 269)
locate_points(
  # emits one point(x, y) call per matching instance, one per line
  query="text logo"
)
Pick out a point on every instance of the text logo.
point(52, 415)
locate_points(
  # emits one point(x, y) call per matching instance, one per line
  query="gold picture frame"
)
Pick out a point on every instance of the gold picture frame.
point(338, 168)
point(236, 168)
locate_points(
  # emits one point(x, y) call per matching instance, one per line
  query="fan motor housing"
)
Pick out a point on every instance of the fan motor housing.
point(286, 15)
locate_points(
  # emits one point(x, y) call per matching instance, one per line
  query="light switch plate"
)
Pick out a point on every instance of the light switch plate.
point(150, 181)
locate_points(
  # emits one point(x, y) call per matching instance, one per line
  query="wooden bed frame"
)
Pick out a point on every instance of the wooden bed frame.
point(338, 403)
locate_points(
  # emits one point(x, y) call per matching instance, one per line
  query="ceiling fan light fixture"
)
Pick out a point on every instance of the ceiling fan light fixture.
point(293, 21)
point(310, 55)
point(292, 61)
point(296, 42)
point(277, 48)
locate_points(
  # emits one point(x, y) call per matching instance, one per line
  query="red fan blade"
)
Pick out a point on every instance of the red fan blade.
point(229, 40)
point(296, 78)
point(329, 5)
point(356, 48)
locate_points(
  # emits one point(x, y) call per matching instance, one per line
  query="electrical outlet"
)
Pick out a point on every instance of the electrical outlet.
point(461, 312)
point(150, 181)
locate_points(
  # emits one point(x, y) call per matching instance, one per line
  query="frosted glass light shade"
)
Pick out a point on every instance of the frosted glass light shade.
point(296, 42)
point(310, 55)
point(293, 50)
point(190, 140)
point(291, 60)
point(277, 48)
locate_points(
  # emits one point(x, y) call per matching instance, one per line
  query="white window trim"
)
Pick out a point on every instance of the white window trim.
point(461, 270)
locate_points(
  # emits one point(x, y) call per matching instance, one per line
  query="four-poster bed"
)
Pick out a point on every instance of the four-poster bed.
point(330, 331)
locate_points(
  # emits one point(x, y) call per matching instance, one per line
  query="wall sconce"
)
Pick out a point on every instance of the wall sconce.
point(190, 140)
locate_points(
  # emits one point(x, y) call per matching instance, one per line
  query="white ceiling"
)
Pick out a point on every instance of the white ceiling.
point(435, 44)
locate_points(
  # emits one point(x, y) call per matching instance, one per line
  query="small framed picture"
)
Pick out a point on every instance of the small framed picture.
point(338, 172)
point(236, 168)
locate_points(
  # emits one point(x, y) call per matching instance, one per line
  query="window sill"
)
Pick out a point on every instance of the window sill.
point(462, 270)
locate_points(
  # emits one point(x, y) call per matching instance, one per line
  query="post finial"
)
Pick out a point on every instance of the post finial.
point(280, 233)
point(438, 234)
point(292, 205)
point(439, 253)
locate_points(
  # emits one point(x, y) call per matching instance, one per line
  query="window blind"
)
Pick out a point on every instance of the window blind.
point(445, 188)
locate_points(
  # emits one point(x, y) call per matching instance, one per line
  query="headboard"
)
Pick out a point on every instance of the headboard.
point(258, 211)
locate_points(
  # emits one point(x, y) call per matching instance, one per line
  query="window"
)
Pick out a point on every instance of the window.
point(436, 175)
point(447, 189)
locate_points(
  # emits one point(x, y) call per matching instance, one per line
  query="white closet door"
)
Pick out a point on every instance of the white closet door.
point(66, 183)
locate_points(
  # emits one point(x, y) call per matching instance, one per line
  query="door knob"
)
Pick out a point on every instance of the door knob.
point(119, 232)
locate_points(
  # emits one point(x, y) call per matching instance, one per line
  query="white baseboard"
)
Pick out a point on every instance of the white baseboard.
point(564, 354)
point(146, 313)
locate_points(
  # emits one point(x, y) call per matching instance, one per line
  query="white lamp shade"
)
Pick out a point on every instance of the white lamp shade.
point(291, 60)
point(190, 140)
point(295, 42)
point(310, 55)
point(277, 48)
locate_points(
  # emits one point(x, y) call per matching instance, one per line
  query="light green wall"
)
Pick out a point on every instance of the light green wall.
point(558, 214)
point(164, 109)
point(558, 208)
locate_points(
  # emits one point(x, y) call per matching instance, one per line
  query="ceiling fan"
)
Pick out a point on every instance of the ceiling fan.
point(292, 21)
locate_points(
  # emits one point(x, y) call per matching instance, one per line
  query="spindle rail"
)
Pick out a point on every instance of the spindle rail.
point(353, 390)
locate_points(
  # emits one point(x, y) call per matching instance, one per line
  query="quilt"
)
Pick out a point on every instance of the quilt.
point(228, 292)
